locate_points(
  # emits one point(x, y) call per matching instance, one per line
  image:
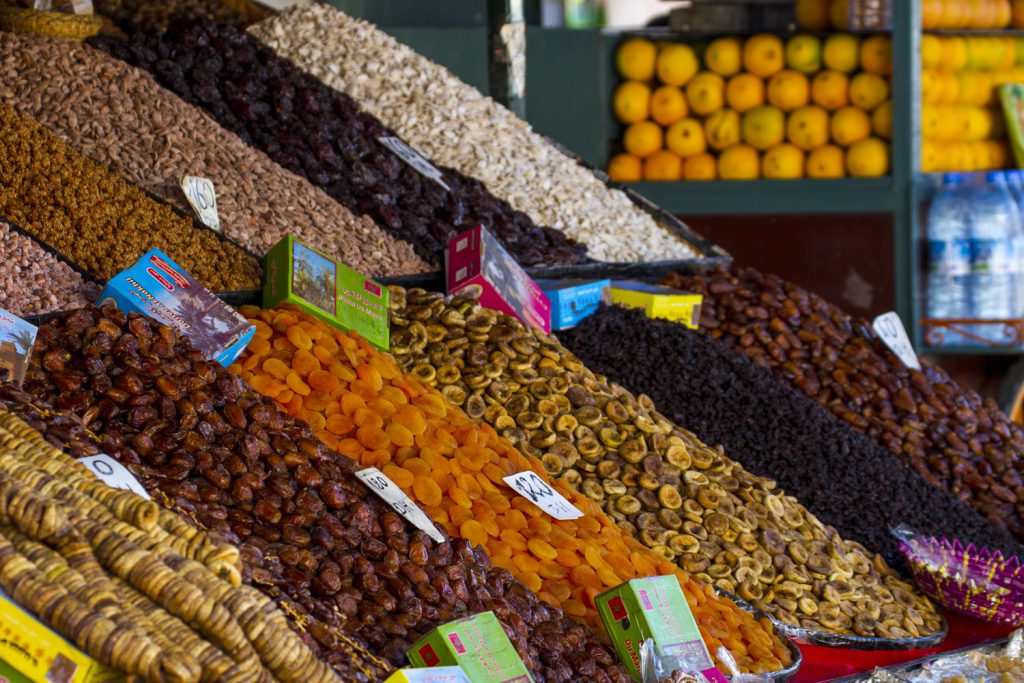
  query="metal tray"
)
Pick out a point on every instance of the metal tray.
point(908, 667)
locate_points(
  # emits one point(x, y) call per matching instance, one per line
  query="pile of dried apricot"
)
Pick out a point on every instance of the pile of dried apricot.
point(362, 404)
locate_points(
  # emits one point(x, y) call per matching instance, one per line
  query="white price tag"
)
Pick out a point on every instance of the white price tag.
point(203, 198)
point(399, 502)
point(890, 329)
point(414, 159)
point(113, 474)
point(537, 491)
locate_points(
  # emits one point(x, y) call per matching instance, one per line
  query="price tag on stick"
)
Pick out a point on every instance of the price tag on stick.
point(537, 491)
point(113, 474)
point(399, 502)
point(891, 331)
point(203, 198)
point(414, 159)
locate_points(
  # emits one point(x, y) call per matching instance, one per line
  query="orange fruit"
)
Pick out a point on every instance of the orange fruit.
point(668, 105)
point(663, 165)
point(803, 54)
point(827, 161)
point(812, 14)
point(839, 14)
point(868, 158)
point(724, 56)
point(625, 168)
point(829, 90)
point(783, 161)
point(676, 64)
point(763, 55)
point(788, 90)
point(850, 125)
point(722, 129)
point(841, 52)
point(635, 59)
point(807, 127)
point(700, 167)
point(763, 127)
point(705, 93)
point(631, 101)
point(876, 55)
point(744, 92)
point(868, 90)
point(739, 162)
point(881, 120)
point(642, 138)
point(686, 137)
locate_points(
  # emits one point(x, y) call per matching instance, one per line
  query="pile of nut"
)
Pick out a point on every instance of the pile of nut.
point(310, 534)
point(132, 585)
point(455, 125)
point(98, 220)
point(688, 502)
point(761, 421)
point(34, 281)
point(945, 431)
point(154, 138)
point(319, 133)
point(360, 401)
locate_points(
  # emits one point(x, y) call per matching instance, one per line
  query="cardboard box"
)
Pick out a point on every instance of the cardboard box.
point(574, 300)
point(16, 340)
point(439, 674)
point(40, 654)
point(478, 644)
point(328, 289)
point(477, 262)
point(158, 287)
point(8, 674)
point(659, 302)
point(654, 607)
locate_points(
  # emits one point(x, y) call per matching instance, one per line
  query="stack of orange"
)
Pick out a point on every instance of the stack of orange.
point(961, 121)
point(821, 15)
point(361, 403)
point(756, 108)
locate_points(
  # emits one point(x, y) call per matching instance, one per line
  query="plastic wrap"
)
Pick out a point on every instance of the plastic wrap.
point(975, 582)
point(658, 666)
point(1000, 663)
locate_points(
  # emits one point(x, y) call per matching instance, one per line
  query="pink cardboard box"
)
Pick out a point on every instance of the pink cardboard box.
point(475, 260)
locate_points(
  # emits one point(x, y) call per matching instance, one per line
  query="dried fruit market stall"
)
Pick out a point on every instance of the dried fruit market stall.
point(316, 363)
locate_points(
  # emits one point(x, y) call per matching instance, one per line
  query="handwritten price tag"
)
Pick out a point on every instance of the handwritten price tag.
point(538, 492)
point(203, 198)
point(890, 329)
point(113, 474)
point(399, 502)
point(414, 159)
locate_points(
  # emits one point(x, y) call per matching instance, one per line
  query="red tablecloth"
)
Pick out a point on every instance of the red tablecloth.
point(826, 663)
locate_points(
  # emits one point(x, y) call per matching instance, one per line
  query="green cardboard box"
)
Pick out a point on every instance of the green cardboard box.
point(8, 674)
point(654, 607)
point(299, 274)
point(478, 644)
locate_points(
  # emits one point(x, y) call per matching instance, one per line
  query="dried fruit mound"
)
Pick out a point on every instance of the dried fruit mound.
point(458, 126)
point(679, 497)
point(359, 401)
point(133, 585)
point(34, 281)
point(945, 431)
point(841, 475)
point(160, 14)
point(149, 134)
point(310, 534)
point(319, 133)
point(97, 219)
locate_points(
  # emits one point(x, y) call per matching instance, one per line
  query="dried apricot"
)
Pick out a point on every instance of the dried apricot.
point(298, 336)
point(402, 477)
point(304, 363)
point(321, 380)
point(542, 549)
point(372, 437)
point(296, 384)
point(276, 368)
point(427, 491)
point(473, 532)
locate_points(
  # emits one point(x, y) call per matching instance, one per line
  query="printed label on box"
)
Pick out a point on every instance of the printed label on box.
point(16, 340)
point(478, 645)
point(391, 494)
point(537, 491)
point(410, 156)
point(158, 287)
point(440, 674)
point(113, 474)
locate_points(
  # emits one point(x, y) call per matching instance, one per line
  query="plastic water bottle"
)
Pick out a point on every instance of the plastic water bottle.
point(993, 221)
point(1015, 183)
point(949, 256)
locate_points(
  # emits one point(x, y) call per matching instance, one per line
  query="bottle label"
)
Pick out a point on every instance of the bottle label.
point(990, 256)
point(949, 257)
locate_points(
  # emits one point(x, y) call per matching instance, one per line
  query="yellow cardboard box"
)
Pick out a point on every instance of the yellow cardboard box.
point(32, 648)
point(659, 302)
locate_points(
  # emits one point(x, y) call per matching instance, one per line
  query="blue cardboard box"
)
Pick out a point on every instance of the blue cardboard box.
point(158, 287)
point(574, 300)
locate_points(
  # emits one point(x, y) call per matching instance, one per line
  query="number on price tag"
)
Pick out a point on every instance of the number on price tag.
point(891, 331)
point(113, 474)
point(203, 198)
point(414, 159)
point(537, 491)
point(399, 502)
